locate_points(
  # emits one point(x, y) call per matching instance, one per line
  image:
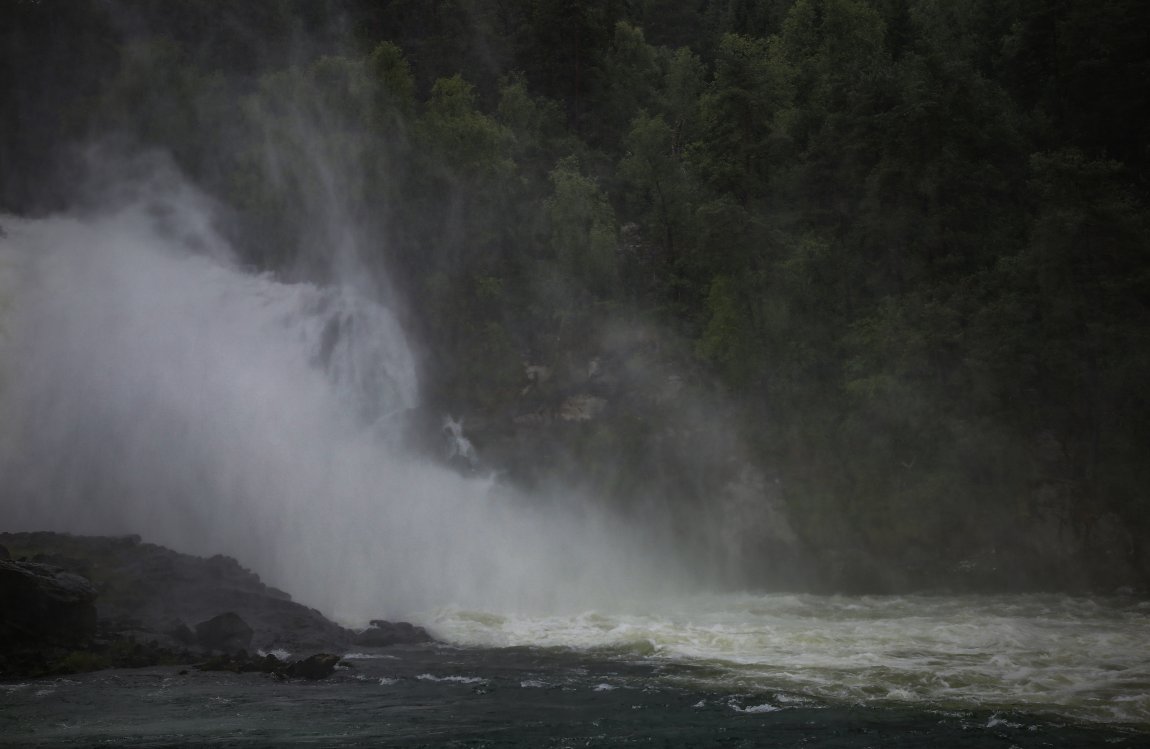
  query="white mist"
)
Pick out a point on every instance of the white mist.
point(152, 386)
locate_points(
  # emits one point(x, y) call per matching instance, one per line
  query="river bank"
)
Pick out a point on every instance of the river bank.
point(84, 603)
point(734, 669)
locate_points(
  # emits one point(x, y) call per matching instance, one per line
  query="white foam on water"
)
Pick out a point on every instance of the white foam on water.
point(452, 679)
point(1077, 657)
point(753, 709)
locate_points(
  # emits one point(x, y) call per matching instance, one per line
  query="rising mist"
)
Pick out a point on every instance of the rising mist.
point(152, 386)
point(798, 310)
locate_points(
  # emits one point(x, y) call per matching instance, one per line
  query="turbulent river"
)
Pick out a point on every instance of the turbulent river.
point(151, 384)
point(769, 670)
point(1083, 659)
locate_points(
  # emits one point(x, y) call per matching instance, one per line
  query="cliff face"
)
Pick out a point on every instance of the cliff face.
point(627, 419)
point(631, 422)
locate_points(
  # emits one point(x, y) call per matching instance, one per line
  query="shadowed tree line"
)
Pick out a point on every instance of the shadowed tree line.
point(905, 241)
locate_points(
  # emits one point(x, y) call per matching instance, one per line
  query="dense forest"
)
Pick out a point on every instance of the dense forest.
point(865, 282)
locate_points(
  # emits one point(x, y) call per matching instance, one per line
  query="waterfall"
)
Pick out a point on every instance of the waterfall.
point(152, 385)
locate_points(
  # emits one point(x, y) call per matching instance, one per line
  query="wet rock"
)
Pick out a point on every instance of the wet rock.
point(382, 634)
point(67, 563)
point(227, 632)
point(318, 666)
point(147, 592)
point(41, 605)
point(182, 634)
point(243, 663)
point(582, 407)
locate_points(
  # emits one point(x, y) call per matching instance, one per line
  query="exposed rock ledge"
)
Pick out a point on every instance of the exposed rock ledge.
point(79, 602)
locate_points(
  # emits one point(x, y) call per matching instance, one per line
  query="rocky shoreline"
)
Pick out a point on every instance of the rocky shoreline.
point(82, 603)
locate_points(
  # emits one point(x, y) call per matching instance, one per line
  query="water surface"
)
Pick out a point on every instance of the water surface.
point(1081, 658)
point(766, 670)
point(482, 697)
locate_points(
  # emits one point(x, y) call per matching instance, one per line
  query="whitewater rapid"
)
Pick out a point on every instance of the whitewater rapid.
point(1075, 657)
point(150, 384)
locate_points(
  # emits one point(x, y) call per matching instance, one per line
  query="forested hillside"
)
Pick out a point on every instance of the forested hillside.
point(883, 264)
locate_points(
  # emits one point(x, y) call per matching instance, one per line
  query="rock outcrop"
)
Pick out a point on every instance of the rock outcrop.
point(148, 592)
point(41, 604)
point(226, 632)
point(314, 667)
point(318, 666)
point(383, 634)
point(123, 602)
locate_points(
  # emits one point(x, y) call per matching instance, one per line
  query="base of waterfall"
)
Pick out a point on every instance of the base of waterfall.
point(81, 603)
point(138, 645)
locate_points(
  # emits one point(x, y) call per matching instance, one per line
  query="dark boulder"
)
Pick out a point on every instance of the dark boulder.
point(41, 604)
point(147, 591)
point(243, 663)
point(318, 666)
point(182, 634)
point(382, 634)
point(227, 632)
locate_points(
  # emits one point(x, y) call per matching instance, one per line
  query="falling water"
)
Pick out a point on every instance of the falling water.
point(152, 386)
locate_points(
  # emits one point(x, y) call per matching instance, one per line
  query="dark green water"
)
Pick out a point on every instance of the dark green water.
point(526, 697)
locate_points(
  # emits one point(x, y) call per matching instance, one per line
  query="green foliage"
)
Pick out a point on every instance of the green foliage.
point(832, 44)
point(683, 84)
point(583, 230)
point(395, 86)
point(630, 73)
point(905, 237)
point(658, 179)
point(533, 122)
point(727, 341)
point(739, 113)
point(468, 141)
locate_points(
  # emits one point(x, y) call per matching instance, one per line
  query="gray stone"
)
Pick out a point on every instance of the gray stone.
point(318, 666)
point(227, 632)
point(382, 634)
point(42, 604)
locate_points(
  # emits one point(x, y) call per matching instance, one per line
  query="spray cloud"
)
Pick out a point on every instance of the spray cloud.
point(153, 386)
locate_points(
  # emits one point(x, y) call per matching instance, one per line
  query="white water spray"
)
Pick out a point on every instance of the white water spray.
point(458, 446)
point(151, 386)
